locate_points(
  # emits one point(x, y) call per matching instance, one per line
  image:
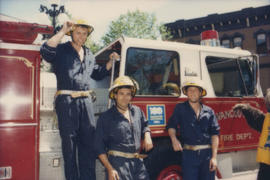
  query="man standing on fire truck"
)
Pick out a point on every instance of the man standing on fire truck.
point(199, 132)
point(73, 65)
point(119, 134)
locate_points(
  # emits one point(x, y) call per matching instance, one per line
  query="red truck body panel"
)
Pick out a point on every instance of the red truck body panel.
point(235, 133)
point(19, 100)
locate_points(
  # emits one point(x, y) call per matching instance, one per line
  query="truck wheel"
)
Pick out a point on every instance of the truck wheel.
point(172, 172)
point(164, 164)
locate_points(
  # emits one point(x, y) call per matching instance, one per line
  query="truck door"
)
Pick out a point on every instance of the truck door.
point(233, 82)
point(18, 113)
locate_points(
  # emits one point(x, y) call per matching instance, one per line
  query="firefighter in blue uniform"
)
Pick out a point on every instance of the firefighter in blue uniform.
point(74, 66)
point(199, 132)
point(119, 133)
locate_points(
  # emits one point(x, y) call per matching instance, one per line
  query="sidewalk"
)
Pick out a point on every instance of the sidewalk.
point(247, 175)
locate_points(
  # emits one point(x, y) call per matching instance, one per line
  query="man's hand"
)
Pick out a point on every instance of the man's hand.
point(213, 164)
point(113, 174)
point(176, 145)
point(240, 107)
point(56, 39)
point(147, 142)
point(67, 26)
point(113, 56)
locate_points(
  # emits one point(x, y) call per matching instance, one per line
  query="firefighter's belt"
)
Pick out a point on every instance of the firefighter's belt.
point(126, 155)
point(196, 147)
point(76, 94)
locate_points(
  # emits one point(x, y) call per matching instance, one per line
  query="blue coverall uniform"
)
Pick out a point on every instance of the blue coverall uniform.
point(193, 131)
point(75, 115)
point(115, 132)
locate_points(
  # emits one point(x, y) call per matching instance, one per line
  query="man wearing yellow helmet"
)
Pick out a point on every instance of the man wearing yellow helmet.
point(74, 66)
point(199, 133)
point(119, 133)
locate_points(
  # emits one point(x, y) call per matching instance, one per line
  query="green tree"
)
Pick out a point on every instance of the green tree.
point(92, 45)
point(135, 24)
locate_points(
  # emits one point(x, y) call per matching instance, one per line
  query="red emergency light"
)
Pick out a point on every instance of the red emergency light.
point(210, 38)
point(24, 33)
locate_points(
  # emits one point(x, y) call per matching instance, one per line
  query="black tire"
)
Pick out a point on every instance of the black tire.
point(161, 157)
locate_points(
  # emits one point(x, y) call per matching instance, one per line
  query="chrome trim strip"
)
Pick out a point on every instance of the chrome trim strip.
point(17, 124)
point(17, 46)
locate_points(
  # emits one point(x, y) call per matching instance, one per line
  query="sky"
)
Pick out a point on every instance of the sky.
point(99, 13)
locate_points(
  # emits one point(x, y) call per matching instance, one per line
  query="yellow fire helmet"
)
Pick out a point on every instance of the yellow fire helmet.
point(123, 81)
point(193, 83)
point(81, 22)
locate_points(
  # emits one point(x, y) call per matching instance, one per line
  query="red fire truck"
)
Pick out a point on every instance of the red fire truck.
point(30, 146)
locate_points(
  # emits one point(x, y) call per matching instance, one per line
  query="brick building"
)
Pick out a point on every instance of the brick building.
point(248, 28)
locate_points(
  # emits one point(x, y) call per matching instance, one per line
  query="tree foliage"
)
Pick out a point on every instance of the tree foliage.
point(135, 24)
point(93, 46)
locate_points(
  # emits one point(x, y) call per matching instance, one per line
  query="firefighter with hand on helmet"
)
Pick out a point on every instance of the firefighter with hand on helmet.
point(199, 132)
point(74, 66)
point(119, 133)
